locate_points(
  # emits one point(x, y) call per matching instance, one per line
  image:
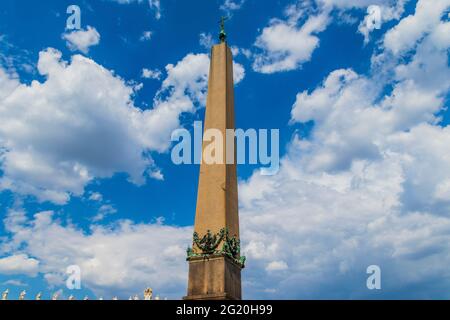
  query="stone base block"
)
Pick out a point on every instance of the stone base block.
point(215, 278)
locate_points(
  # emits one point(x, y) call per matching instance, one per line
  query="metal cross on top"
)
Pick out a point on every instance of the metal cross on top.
point(222, 34)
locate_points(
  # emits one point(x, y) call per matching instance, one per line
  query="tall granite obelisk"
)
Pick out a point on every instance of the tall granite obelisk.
point(215, 262)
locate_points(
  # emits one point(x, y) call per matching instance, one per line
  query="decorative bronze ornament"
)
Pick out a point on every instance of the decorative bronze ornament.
point(209, 243)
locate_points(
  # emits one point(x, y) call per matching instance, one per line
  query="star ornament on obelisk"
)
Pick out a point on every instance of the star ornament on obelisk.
point(215, 262)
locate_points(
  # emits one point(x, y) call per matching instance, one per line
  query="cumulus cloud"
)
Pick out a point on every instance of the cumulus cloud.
point(379, 14)
point(122, 259)
point(238, 72)
point(19, 264)
point(368, 186)
point(91, 130)
point(82, 40)
point(405, 35)
point(151, 74)
point(190, 76)
point(329, 227)
point(284, 45)
point(81, 124)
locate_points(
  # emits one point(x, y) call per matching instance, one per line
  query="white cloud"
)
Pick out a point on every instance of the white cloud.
point(328, 227)
point(411, 29)
point(276, 266)
point(151, 74)
point(155, 5)
point(236, 51)
point(15, 283)
point(368, 186)
point(286, 46)
point(19, 264)
point(118, 258)
point(206, 40)
point(379, 14)
point(232, 5)
point(8, 83)
point(349, 4)
point(238, 72)
point(14, 59)
point(95, 196)
point(80, 124)
point(146, 35)
point(190, 76)
point(372, 21)
point(82, 40)
point(122, 259)
point(104, 211)
point(157, 174)
point(78, 143)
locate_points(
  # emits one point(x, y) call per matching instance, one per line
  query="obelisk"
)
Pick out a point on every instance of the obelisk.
point(214, 260)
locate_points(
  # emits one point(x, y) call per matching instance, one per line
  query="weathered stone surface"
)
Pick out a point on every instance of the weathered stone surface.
point(216, 278)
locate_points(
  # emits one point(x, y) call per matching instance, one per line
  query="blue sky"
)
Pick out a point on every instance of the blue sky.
point(85, 171)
